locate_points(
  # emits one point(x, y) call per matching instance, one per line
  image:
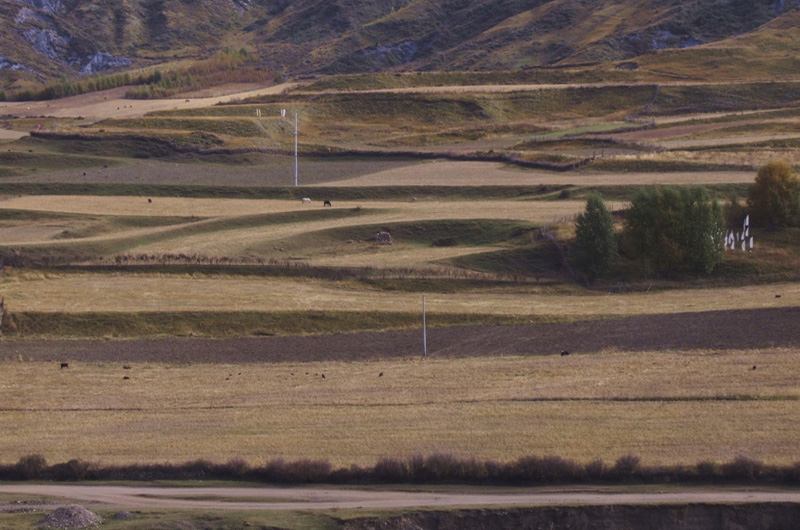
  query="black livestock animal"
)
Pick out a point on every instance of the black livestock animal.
point(64, 365)
point(327, 203)
point(564, 352)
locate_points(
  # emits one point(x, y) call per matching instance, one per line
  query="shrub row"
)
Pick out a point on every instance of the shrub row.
point(432, 469)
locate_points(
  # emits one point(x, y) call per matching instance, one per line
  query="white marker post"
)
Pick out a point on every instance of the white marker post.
point(295, 149)
point(424, 330)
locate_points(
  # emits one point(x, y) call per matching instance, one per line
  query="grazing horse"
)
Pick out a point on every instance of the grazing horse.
point(327, 203)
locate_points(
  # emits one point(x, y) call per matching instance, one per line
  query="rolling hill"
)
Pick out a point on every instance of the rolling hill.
point(42, 40)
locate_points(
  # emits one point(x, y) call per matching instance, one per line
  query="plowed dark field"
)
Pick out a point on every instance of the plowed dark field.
point(718, 330)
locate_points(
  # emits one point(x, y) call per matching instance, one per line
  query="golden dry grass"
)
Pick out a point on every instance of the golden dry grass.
point(423, 209)
point(723, 141)
point(753, 157)
point(235, 242)
point(264, 240)
point(113, 104)
point(451, 173)
point(161, 206)
point(128, 292)
point(667, 407)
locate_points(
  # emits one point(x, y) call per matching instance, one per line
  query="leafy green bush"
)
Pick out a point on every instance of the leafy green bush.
point(31, 467)
point(675, 230)
point(595, 245)
point(774, 198)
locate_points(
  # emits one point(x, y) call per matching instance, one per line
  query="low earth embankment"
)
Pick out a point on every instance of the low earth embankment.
point(618, 517)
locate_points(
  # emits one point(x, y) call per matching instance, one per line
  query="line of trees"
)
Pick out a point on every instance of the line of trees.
point(65, 87)
point(675, 230)
point(438, 468)
point(225, 66)
point(678, 231)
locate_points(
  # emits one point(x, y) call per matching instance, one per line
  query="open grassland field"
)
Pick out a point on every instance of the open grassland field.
point(665, 406)
point(285, 230)
point(617, 130)
point(125, 292)
point(482, 173)
point(170, 230)
point(100, 261)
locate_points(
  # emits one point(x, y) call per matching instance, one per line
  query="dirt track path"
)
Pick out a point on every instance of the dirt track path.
point(113, 104)
point(276, 498)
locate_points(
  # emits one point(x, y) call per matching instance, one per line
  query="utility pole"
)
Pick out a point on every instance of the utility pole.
point(424, 330)
point(295, 149)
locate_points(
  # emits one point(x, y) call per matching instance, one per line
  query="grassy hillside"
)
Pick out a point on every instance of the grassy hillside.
point(345, 36)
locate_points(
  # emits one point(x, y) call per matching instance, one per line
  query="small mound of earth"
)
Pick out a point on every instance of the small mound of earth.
point(72, 516)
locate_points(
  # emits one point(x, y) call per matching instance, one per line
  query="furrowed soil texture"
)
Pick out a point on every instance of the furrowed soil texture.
point(724, 330)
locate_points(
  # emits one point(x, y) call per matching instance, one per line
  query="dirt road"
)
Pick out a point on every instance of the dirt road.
point(113, 104)
point(277, 498)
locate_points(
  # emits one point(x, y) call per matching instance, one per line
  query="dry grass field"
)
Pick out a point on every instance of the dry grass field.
point(84, 292)
point(112, 103)
point(192, 229)
point(666, 407)
point(162, 184)
point(451, 173)
point(406, 210)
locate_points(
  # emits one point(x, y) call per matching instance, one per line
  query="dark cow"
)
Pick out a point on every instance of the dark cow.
point(327, 203)
point(564, 352)
point(64, 365)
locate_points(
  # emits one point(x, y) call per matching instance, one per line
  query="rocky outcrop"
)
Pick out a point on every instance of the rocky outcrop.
point(27, 14)
point(664, 39)
point(51, 6)
point(6, 64)
point(48, 42)
point(103, 61)
point(781, 6)
point(44, 36)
